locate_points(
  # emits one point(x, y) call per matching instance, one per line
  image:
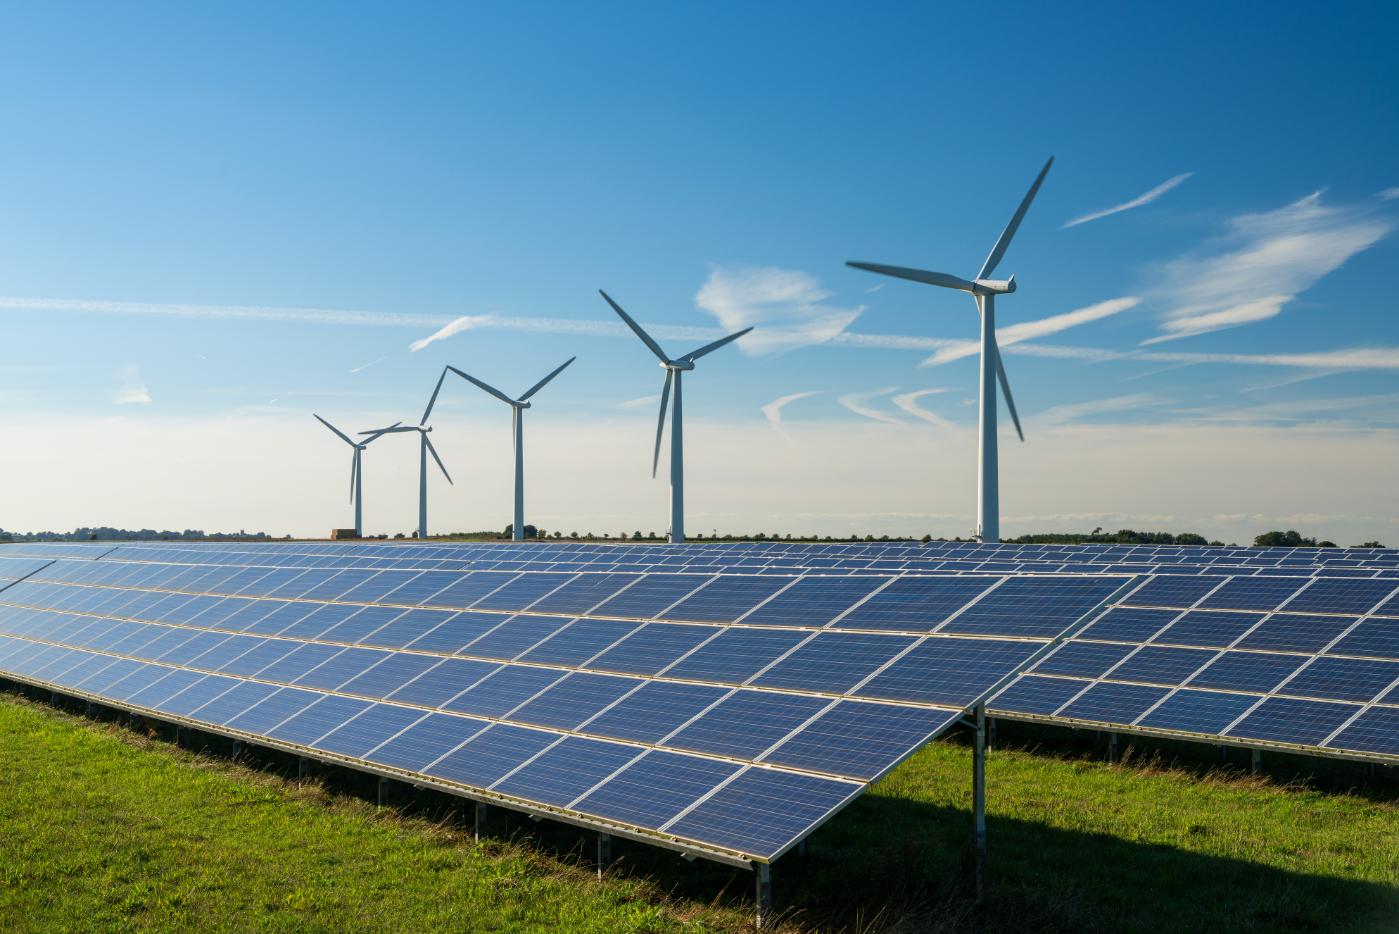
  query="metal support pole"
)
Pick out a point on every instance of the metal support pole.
point(383, 790)
point(762, 873)
point(302, 767)
point(1112, 747)
point(604, 852)
point(481, 814)
point(801, 847)
point(179, 735)
point(990, 732)
point(1223, 753)
point(1256, 765)
point(91, 709)
point(237, 749)
point(979, 800)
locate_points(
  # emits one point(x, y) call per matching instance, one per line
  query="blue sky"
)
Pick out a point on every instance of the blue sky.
point(220, 219)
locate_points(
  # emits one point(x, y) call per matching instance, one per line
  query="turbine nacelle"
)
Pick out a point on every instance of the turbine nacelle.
point(682, 365)
point(995, 286)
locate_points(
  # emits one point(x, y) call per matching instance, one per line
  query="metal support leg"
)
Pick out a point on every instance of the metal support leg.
point(179, 735)
point(237, 749)
point(1112, 747)
point(801, 847)
point(990, 732)
point(762, 873)
point(1256, 765)
point(383, 790)
point(604, 852)
point(90, 709)
point(302, 767)
point(979, 800)
point(481, 813)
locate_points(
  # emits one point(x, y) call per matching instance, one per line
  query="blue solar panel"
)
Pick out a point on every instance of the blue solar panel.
point(834, 662)
point(1283, 720)
point(1207, 712)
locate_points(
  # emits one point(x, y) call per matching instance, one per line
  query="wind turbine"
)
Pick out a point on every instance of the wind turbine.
point(517, 407)
point(673, 370)
point(984, 291)
point(356, 472)
point(424, 448)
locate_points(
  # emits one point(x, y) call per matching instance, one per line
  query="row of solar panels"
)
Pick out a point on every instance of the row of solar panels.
point(1259, 661)
point(850, 672)
point(720, 738)
point(551, 558)
point(769, 552)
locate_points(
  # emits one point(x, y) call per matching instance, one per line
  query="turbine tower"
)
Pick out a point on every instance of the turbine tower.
point(517, 407)
point(356, 472)
point(424, 449)
point(984, 291)
point(673, 370)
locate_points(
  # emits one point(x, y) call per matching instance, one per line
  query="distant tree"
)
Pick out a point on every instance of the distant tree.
point(1288, 539)
point(1370, 545)
point(927, 538)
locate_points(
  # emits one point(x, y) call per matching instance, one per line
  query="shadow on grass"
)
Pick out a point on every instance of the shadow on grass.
point(892, 864)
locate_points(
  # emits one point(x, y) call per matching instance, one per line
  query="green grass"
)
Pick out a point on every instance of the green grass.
point(102, 828)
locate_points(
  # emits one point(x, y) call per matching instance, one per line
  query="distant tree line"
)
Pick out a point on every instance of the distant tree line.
point(108, 534)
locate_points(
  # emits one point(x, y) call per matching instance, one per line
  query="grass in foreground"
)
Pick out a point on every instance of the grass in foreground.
point(102, 828)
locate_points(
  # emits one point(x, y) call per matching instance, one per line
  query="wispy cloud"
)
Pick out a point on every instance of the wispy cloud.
point(784, 306)
point(364, 366)
point(879, 285)
point(1390, 194)
point(451, 329)
point(1264, 261)
point(1138, 201)
point(1030, 330)
point(1326, 410)
point(1353, 358)
point(908, 401)
point(131, 388)
point(1077, 411)
point(773, 410)
point(856, 402)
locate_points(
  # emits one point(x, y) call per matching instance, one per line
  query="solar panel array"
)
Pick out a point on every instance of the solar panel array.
point(760, 558)
point(725, 714)
point(1297, 663)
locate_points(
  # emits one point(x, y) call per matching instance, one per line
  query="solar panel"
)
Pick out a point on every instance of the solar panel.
point(663, 706)
point(1301, 663)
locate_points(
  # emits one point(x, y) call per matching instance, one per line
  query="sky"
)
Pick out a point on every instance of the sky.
point(219, 219)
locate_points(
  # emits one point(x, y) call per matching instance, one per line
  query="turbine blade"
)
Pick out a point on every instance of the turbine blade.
point(543, 382)
point(433, 401)
point(645, 338)
point(392, 429)
point(999, 249)
point(379, 434)
point(917, 275)
point(1005, 390)
point(338, 433)
point(486, 386)
point(433, 451)
point(660, 422)
point(354, 469)
point(694, 355)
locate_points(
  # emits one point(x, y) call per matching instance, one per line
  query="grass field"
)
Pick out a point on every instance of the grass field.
point(103, 828)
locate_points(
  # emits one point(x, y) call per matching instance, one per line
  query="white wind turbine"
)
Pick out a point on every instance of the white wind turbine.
point(673, 370)
point(424, 449)
point(517, 407)
point(984, 291)
point(356, 472)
